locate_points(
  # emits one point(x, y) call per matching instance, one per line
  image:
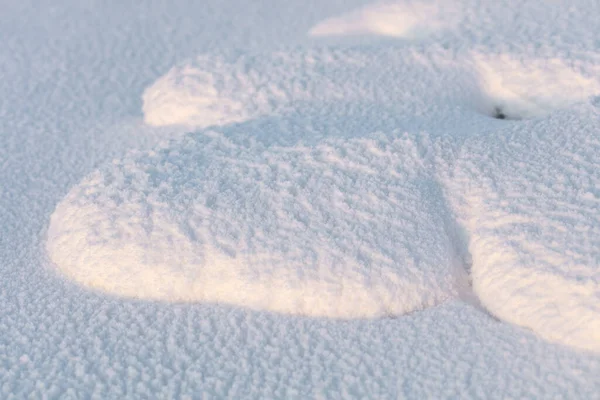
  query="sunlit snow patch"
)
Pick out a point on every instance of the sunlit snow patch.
point(530, 199)
point(213, 91)
point(343, 229)
point(412, 20)
point(522, 88)
point(190, 96)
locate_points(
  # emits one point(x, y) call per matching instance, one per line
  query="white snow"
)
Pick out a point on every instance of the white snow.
point(342, 229)
point(186, 94)
point(410, 20)
point(312, 119)
point(528, 87)
point(530, 200)
point(352, 228)
point(213, 90)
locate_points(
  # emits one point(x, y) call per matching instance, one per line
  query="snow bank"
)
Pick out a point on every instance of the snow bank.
point(404, 20)
point(529, 197)
point(343, 229)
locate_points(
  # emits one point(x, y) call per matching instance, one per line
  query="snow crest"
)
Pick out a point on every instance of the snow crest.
point(344, 229)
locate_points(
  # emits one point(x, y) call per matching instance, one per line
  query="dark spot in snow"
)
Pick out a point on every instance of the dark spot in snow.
point(498, 113)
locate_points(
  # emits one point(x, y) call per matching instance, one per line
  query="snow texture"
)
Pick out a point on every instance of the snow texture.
point(348, 228)
point(519, 193)
point(410, 20)
point(213, 90)
point(530, 201)
point(343, 229)
point(533, 87)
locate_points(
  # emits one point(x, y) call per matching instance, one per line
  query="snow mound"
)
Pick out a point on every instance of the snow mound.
point(412, 20)
point(190, 96)
point(525, 87)
point(213, 90)
point(342, 229)
point(530, 199)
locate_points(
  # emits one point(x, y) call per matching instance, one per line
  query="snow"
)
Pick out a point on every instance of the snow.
point(530, 202)
point(215, 90)
point(409, 20)
point(530, 87)
point(342, 229)
point(349, 228)
point(160, 104)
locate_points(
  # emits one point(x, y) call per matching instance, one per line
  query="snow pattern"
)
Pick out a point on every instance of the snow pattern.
point(476, 112)
point(526, 87)
point(530, 201)
point(350, 228)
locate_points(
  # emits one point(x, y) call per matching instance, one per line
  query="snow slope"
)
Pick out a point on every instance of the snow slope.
point(530, 200)
point(74, 78)
point(402, 20)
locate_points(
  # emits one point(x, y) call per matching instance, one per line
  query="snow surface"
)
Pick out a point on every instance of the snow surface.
point(213, 90)
point(529, 87)
point(530, 200)
point(341, 229)
point(76, 76)
point(351, 227)
point(404, 20)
